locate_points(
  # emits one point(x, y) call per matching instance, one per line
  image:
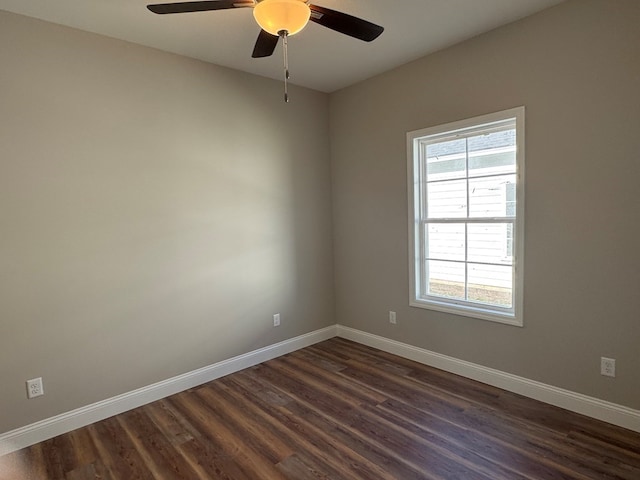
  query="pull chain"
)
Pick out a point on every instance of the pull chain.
point(284, 34)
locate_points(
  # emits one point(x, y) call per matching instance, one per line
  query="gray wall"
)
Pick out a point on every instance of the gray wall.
point(576, 68)
point(155, 211)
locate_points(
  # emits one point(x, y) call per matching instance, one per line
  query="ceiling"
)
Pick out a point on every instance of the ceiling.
point(319, 58)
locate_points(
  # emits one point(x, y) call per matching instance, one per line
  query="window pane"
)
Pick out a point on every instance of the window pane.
point(490, 243)
point(491, 284)
point(511, 199)
point(491, 197)
point(445, 241)
point(447, 199)
point(493, 153)
point(446, 160)
point(445, 279)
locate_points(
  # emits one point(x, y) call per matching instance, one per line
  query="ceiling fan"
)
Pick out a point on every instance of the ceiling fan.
point(280, 19)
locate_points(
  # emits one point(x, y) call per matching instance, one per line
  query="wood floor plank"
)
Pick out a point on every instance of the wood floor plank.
point(26, 463)
point(393, 467)
point(341, 411)
point(169, 422)
point(328, 379)
point(500, 458)
point(317, 441)
point(424, 439)
point(53, 451)
point(117, 451)
point(234, 458)
point(159, 456)
point(255, 435)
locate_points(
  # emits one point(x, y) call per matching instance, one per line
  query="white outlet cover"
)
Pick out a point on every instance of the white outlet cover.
point(608, 367)
point(35, 387)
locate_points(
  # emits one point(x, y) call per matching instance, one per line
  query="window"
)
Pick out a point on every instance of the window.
point(466, 207)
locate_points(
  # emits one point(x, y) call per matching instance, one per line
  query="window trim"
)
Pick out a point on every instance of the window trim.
point(450, 130)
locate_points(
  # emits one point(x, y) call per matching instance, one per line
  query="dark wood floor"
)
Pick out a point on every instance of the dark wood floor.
point(338, 410)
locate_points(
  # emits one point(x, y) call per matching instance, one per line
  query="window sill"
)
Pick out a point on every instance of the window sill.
point(465, 311)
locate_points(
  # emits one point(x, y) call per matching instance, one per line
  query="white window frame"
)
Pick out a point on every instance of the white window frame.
point(417, 204)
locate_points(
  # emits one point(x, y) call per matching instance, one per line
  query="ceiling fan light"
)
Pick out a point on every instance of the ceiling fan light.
point(273, 16)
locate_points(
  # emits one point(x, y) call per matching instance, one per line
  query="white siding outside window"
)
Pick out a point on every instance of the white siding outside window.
point(466, 216)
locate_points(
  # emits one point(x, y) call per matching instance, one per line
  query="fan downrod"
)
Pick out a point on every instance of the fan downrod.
point(285, 49)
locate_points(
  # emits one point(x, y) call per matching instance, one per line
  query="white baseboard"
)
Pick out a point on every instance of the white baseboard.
point(592, 407)
point(54, 426)
point(576, 402)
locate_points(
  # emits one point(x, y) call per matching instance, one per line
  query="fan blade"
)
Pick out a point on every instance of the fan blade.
point(349, 25)
point(265, 45)
point(183, 7)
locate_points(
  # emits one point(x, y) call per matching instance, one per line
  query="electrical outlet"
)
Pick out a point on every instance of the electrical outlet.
point(392, 318)
point(608, 367)
point(35, 388)
point(276, 320)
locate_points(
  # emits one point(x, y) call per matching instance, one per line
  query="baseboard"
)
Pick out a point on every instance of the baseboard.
point(54, 426)
point(592, 407)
